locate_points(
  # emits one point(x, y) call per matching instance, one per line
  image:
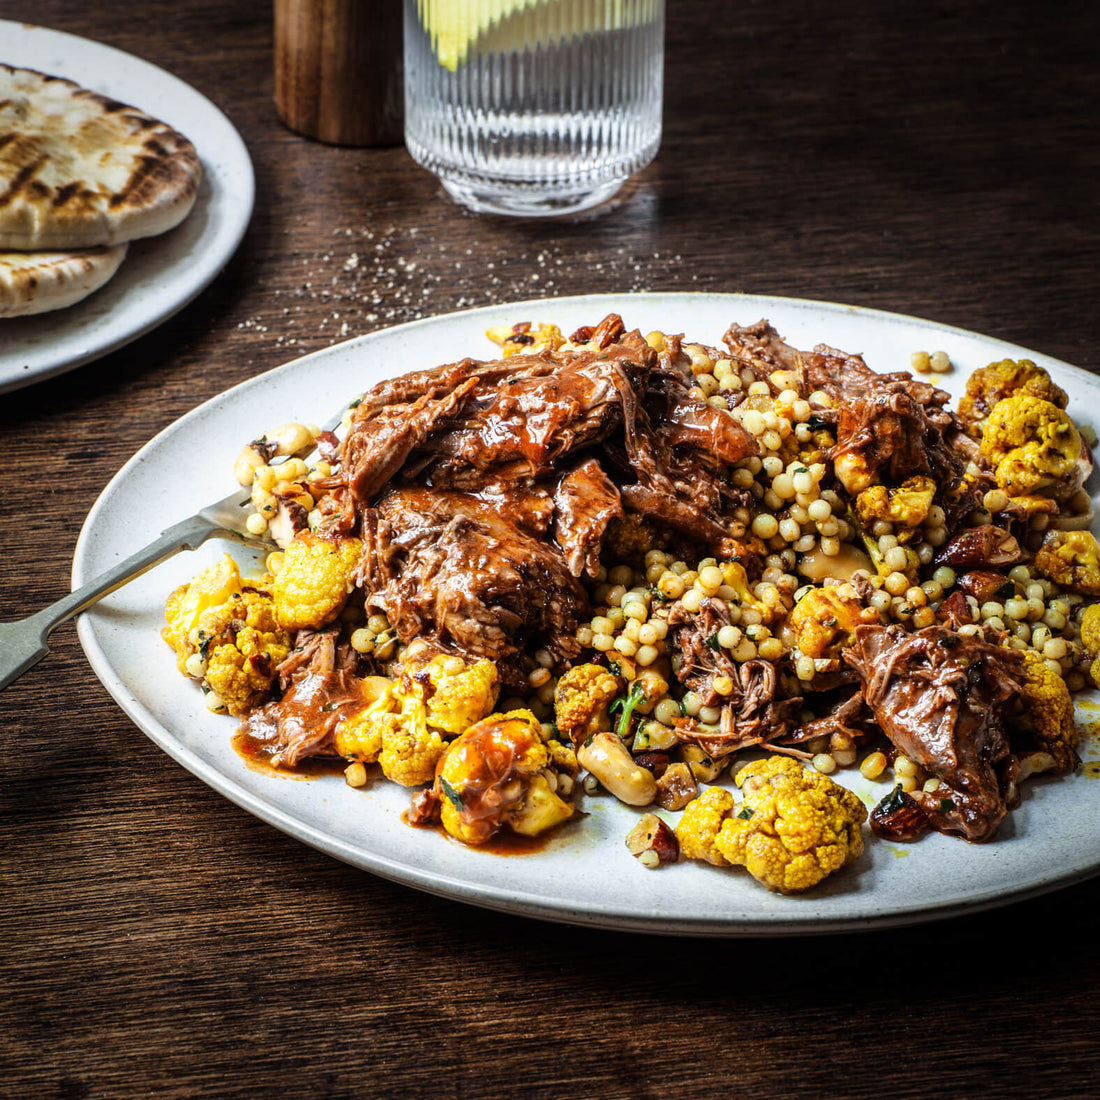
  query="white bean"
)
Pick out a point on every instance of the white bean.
point(606, 757)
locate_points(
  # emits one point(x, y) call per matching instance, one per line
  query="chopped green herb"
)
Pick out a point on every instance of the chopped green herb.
point(893, 801)
point(712, 641)
point(746, 813)
point(946, 805)
point(626, 704)
point(452, 795)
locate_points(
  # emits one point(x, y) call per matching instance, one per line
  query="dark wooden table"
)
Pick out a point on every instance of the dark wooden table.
point(933, 159)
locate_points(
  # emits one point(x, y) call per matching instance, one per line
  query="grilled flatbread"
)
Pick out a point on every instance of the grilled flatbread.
point(79, 170)
point(34, 282)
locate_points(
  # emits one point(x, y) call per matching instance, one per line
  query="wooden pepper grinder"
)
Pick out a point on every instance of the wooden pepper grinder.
point(338, 70)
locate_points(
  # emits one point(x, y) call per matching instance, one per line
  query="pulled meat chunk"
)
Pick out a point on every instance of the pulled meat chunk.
point(483, 491)
point(939, 697)
point(449, 568)
point(320, 690)
point(751, 714)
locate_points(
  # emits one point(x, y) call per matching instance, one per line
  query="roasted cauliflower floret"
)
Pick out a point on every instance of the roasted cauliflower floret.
point(1090, 628)
point(360, 736)
point(1008, 378)
point(1032, 446)
point(795, 826)
point(1071, 559)
point(224, 632)
point(460, 694)
point(824, 620)
point(410, 748)
point(406, 723)
point(1048, 713)
point(906, 507)
point(525, 338)
point(315, 580)
point(1090, 639)
point(210, 588)
point(499, 774)
point(700, 824)
point(629, 537)
point(582, 701)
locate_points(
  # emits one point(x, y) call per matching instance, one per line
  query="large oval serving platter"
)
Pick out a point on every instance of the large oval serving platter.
point(584, 874)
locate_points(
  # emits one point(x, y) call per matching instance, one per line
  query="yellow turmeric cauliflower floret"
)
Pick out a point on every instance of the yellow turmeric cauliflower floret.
point(461, 694)
point(1048, 711)
point(210, 588)
point(795, 826)
point(699, 826)
point(360, 735)
point(1071, 559)
point(239, 682)
point(315, 580)
point(630, 537)
point(499, 774)
point(906, 506)
point(1090, 639)
point(1090, 629)
point(405, 723)
point(525, 338)
point(410, 749)
point(582, 700)
point(224, 632)
point(825, 619)
point(1031, 444)
point(1008, 378)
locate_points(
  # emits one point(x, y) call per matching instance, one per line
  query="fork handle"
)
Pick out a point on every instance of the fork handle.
point(23, 643)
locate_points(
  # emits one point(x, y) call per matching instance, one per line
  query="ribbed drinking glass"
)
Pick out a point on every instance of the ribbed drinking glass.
point(533, 107)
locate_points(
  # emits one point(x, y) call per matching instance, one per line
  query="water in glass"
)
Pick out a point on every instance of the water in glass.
point(533, 107)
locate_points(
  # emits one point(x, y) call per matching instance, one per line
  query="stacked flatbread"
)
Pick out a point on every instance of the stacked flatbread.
point(80, 177)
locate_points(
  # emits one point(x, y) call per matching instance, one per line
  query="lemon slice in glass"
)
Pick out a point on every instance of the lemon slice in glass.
point(455, 26)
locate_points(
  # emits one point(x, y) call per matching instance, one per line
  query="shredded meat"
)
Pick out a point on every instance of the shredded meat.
point(585, 502)
point(455, 570)
point(751, 715)
point(939, 696)
point(320, 689)
point(483, 490)
point(760, 346)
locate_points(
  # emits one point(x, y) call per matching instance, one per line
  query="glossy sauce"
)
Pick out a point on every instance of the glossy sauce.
point(257, 755)
point(503, 843)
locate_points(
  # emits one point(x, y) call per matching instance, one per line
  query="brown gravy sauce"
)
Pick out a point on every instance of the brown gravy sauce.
point(257, 754)
point(504, 843)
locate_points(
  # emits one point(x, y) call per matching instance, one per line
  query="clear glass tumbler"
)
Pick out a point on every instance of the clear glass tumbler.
point(533, 107)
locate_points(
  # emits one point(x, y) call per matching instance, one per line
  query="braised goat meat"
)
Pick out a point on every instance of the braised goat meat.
point(455, 571)
point(939, 697)
point(320, 689)
point(483, 490)
point(751, 714)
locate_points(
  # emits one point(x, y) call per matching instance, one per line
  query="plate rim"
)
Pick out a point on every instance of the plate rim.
point(551, 908)
point(216, 246)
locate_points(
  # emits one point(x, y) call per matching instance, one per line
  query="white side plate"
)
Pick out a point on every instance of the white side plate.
point(162, 274)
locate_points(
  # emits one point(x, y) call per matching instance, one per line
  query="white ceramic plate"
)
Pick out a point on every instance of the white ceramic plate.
point(162, 274)
point(585, 874)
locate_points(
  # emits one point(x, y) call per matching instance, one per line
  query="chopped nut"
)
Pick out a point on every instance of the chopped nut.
point(652, 835)
point(655, 762)
point(676, 787)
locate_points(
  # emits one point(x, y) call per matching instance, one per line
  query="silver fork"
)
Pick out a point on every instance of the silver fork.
point(23, 643)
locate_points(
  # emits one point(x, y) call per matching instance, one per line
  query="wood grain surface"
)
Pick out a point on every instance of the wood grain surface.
point(155, 940)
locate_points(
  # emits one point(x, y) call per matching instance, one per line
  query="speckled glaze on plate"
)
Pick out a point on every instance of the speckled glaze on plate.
point(584, 874)
point(160, 275)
